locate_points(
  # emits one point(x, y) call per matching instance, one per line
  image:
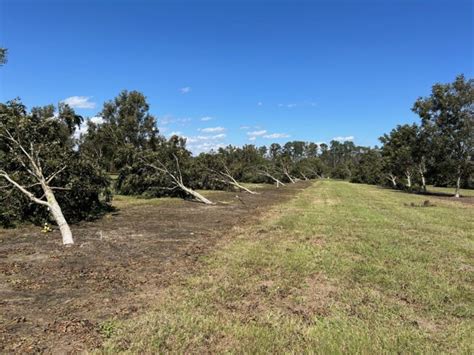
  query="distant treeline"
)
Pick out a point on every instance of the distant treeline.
point(438, 150)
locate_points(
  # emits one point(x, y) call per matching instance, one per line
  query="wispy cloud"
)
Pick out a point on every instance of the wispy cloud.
point(260, 103)
point(276, 135)
point(212, 129)
point(205, 143)
point(185, 90)
point(287, 105)
point(257, 133)
point(299, 104)
point(169, 119)
point(343, 139)
point(244, 128)
point(80, 102)
point(206, 118)
point(196, 139)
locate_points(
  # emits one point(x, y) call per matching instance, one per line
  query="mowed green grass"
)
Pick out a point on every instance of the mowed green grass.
point(340, 268)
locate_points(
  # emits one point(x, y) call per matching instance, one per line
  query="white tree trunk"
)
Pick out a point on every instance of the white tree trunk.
point(230, 180)
point(408, 175)
point(422, 170)
point(289, 177)
point(458, 187)
point(245, 189)
point(278, 182)
point(393, 179)
point(196, 195)
point(58, 216)
point(423, 181)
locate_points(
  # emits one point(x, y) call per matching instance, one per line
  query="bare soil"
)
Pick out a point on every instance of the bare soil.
point(55, 299)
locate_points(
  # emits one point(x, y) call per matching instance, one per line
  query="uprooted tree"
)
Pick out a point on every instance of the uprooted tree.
point(163, 171)
point(265, 171)
point(176, 178)
point(41, 172)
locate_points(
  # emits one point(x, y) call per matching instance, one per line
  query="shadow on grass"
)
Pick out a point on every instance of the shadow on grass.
point(437, 194)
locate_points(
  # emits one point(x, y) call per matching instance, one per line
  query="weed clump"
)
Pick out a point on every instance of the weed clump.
point(426, 203)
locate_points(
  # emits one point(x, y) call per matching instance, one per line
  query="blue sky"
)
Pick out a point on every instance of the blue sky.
point(240, 72)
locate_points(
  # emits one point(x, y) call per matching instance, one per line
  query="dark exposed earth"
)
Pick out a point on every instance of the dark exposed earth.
point(57, 299)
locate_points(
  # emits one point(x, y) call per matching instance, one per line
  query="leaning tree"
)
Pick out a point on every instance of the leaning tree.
point(162, 171)
point(39, 167)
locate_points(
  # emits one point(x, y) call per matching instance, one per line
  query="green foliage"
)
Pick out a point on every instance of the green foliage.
point(127, 126)
point(81, 187)
point(369, 168)
point(448, 113)
point(3, 56)
point(139, 177)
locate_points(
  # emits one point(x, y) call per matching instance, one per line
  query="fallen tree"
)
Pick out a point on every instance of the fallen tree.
point(287, 174)
point(177, 179)
point(48, 199)
point(226, 177)
point(272, 177)
point(40, 186)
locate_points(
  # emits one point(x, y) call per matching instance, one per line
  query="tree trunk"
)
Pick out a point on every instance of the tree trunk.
point(304, 176)
point(422, 170)
point(423, 181)
point(245, 189)
point(229, 179)
point(58, 216)
point(196, 195)
point(393, 179)
point(408, 175)
point(290, 178)
point(458, 187)
point(278, 182)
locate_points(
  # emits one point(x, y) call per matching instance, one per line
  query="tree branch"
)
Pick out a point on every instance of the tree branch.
point(22, 189)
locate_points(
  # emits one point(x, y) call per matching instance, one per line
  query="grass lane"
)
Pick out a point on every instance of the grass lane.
point(340, 268)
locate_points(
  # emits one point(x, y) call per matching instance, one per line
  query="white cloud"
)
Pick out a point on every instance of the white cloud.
point(343, 139)
point(212, 129)
point(196, 139)
point(176, 133)
point(205, 143)
point(84, 126)
point(260, 103)
point(257, 133)
point(185, 90)
point(80, 102)
point(287, 105)
point(169, 119)
point(206, 118)
point(253, 135)
point(276, 135)
point(299, 104)
point(205, 147)
point(244, 128)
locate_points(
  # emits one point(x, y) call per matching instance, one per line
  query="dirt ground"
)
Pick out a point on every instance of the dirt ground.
point(56, 299)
